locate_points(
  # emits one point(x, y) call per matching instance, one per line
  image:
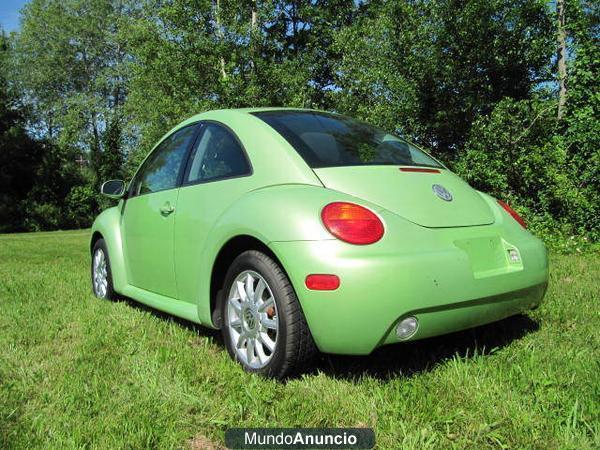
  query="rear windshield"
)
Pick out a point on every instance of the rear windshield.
point(331, 140)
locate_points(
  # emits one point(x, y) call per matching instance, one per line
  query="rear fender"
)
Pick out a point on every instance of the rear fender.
point(273, 214)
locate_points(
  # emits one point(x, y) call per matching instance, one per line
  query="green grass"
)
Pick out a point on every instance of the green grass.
point(76, 371)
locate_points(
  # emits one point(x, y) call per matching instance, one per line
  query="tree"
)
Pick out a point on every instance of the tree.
point(548, 164)
point(193, 55)
point(35, 176)
point(19, 154)
point(71, 66)
point(447, 62)
point(581, 119)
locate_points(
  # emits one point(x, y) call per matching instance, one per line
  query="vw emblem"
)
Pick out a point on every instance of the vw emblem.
point(442, 192)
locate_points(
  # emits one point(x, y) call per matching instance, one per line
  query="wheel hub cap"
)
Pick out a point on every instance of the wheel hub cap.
point(249, 320)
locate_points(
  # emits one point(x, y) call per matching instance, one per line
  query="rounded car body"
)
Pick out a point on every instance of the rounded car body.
point(377, 241)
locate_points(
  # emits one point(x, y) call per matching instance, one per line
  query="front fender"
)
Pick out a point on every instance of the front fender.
point(108, 224)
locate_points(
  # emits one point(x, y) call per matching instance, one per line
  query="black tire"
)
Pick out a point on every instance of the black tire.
point(295, 347)
point(110, 293)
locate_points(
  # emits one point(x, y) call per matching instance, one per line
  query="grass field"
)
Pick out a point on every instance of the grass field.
point(76, 371)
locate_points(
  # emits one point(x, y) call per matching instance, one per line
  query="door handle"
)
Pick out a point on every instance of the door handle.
point(166, 209)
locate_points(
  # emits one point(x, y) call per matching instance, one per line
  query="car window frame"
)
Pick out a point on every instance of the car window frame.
point(155, 149)
point(188, 162)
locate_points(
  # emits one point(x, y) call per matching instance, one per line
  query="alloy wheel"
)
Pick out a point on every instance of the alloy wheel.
point(252, 319)
point(100, 273)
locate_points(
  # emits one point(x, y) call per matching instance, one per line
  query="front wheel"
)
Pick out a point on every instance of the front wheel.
point(102, 284)
point(263, 325)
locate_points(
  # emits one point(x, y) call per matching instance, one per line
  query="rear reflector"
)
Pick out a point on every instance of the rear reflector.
point(322, 282)
point(418, 169)
point(513, 213)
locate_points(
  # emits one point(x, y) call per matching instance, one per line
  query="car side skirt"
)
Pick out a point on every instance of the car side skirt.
point(188, 311)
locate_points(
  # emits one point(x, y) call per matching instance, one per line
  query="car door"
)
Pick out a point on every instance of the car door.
point(218, 173)
point(149, 215)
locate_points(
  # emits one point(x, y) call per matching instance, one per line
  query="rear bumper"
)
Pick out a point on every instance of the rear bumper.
point(449, 279)
point(468, 314)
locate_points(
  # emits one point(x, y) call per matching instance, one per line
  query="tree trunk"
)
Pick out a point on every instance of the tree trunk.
point(220, 36)
point(253, 36)
point(562, 57)
point(254, 20)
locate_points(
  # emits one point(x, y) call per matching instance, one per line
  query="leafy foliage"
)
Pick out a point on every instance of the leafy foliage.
point(190, 56)
point(71, 67)
point(33, 177)
point(514, 155)
point(548, 169)
point(474, 81)
point(437, 66)
point(582, 124)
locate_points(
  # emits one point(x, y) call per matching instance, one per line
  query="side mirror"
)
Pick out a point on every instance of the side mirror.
point(113, 189)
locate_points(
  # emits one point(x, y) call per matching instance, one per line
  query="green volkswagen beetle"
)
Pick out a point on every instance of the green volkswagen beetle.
point(296, 231)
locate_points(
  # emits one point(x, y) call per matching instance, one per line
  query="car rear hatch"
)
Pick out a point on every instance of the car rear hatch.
point(418, 196)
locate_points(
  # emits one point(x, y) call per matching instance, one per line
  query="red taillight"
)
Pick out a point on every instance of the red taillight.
point(513, 213)
point(352, 223)
point(322, 282)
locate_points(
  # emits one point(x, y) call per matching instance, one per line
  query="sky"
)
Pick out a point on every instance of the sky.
point(9, 14)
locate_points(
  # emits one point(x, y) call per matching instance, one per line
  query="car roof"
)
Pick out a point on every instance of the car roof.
point(250, 110)
point(251, 129)
point(269, 108)
point(218, 114)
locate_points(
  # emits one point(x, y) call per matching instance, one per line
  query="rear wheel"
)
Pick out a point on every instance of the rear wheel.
point(102, 284)
point(263, 325)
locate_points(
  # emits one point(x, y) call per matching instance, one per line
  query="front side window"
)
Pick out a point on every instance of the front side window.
point(216, 154)
point(331, 140)
point(161, 170)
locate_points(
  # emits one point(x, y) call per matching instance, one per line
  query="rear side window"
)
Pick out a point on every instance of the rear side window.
point(216, 154)
point(331, 140)
point(161, 170)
